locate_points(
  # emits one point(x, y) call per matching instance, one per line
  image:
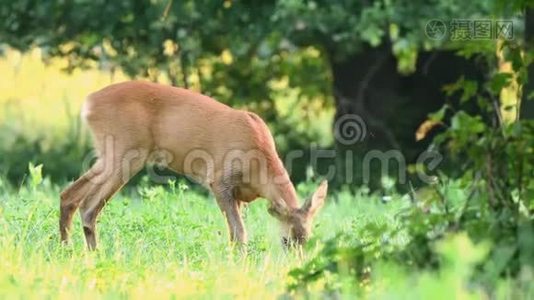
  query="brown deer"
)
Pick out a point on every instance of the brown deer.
point(229, 151)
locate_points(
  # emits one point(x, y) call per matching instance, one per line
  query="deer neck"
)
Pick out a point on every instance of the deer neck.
point(282, 190)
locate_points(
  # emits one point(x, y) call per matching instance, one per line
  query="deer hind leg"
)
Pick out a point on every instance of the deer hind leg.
point(230, 207)
point(93, 204)
point(71, 198)
point(125, 167)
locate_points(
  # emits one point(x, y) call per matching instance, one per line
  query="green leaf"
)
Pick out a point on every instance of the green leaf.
point(470, 88)
point(500, 81)
point(36, 174)
point(438, 115)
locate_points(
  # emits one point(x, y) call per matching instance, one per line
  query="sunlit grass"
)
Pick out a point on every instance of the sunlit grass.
point(155, 242)
point(171, 242)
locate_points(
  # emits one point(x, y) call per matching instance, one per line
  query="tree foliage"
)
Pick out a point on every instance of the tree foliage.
point(492, 198)
point(180, 37)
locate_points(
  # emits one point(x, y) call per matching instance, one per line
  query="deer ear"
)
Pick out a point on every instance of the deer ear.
point(316, 201)
point(279, 211)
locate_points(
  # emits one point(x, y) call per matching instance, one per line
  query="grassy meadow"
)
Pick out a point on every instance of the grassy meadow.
point(170, 241)
point(154, 243)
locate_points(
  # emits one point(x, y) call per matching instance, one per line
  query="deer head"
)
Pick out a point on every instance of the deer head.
point(297, 222)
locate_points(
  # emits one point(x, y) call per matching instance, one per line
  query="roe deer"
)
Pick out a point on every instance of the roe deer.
point(229, 151)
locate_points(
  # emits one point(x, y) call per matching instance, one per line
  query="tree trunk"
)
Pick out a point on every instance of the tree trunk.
point(368, 89)
point(527, 106)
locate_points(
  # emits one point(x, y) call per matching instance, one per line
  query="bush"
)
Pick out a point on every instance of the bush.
point(489, 205)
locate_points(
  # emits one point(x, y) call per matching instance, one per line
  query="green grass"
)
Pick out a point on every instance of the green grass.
point(153, 241)
point(171, 242)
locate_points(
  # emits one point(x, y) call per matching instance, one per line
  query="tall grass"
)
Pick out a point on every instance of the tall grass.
point(171, 242)
point(154, 242)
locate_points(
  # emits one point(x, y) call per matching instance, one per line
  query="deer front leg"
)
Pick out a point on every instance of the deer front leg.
point(231, 209)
